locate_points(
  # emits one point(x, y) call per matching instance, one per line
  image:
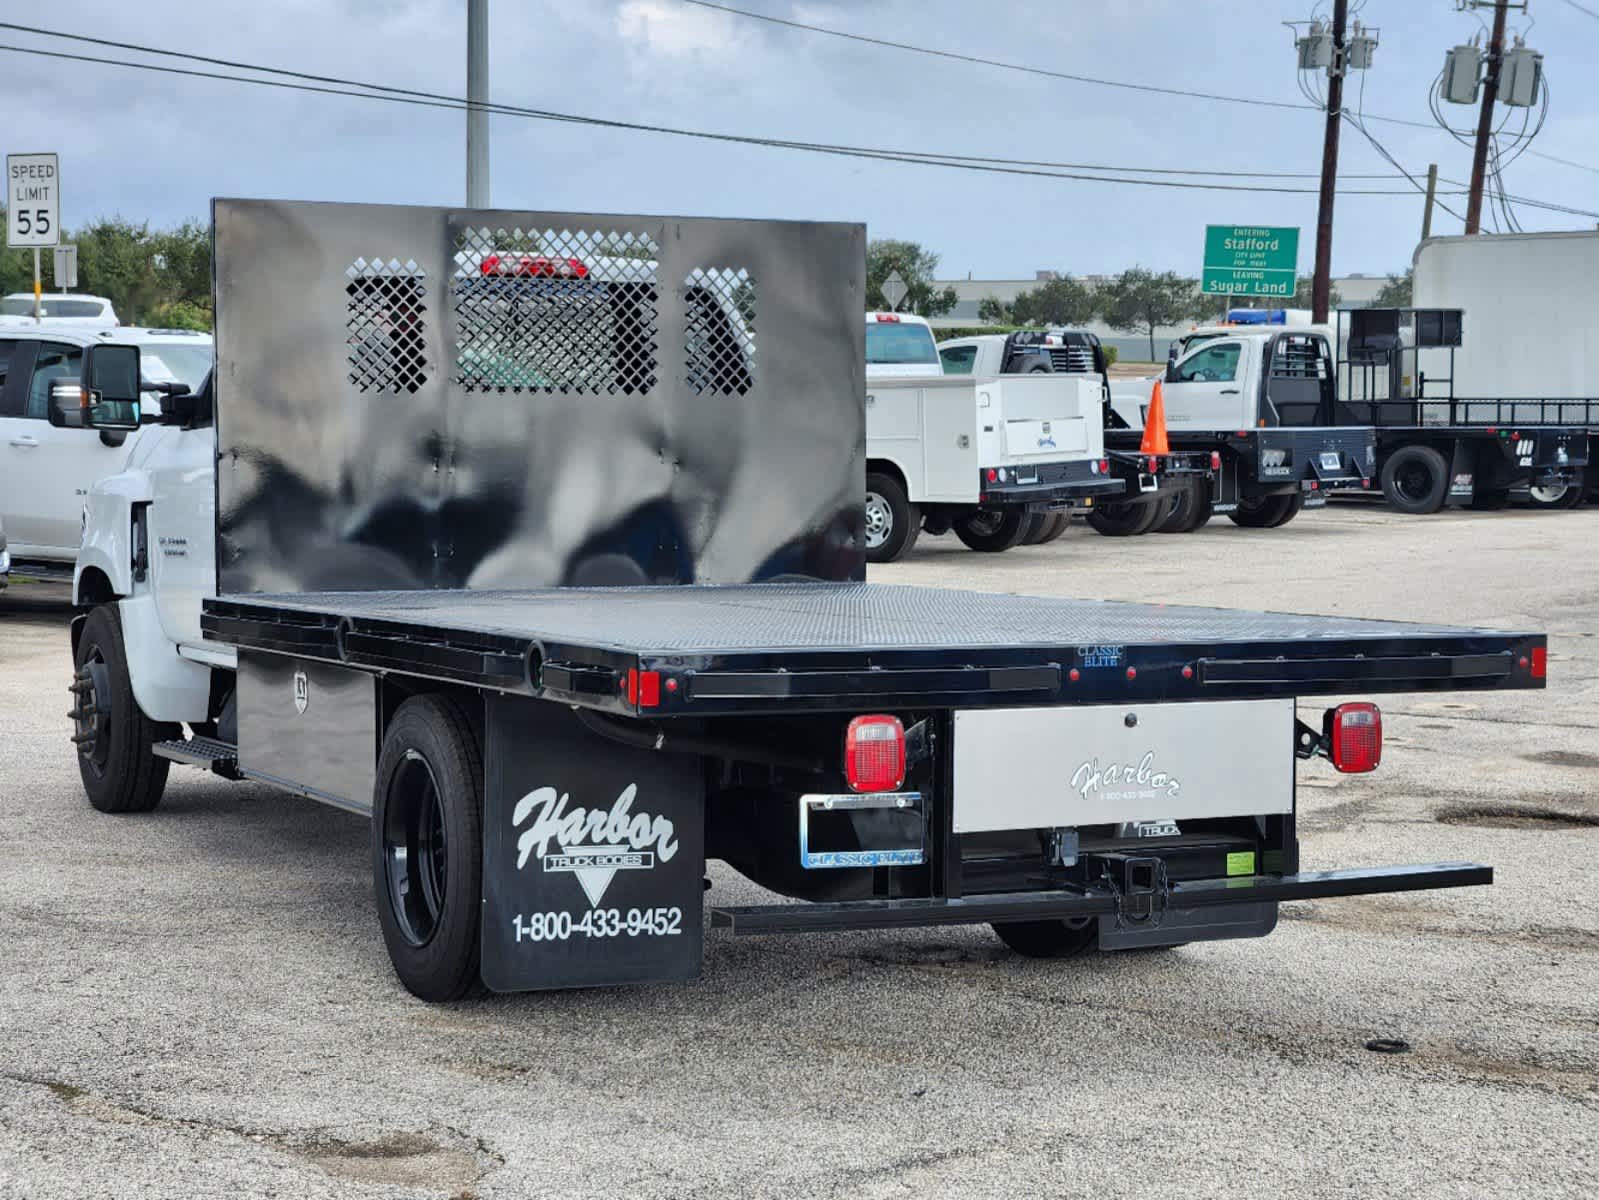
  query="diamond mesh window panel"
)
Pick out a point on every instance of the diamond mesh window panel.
point(720, 334)
point(383, 325)
point(558, 311)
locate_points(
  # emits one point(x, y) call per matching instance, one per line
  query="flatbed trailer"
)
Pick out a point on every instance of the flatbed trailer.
point(557, 702)
point(1436, 447)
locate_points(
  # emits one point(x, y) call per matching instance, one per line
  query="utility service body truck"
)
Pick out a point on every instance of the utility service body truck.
point(561, 582)
point(1261, 402)
point(1001, 461)
point(1159, 492)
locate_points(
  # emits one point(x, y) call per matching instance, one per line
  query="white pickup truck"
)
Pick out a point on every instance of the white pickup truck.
point(1000, 461)
point(45, 471)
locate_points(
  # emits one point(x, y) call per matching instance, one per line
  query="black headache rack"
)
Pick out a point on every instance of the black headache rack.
point(1383, 382)
point(797, 647)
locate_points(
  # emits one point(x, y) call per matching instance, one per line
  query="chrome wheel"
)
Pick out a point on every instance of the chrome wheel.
point(879, 520)
point(1549, 494)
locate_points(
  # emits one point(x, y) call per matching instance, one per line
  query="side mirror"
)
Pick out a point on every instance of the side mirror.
point(1171, 371)
point(106, 398)
point(111, 377)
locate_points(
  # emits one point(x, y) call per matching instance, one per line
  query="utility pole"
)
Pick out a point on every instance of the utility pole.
point(477, 95)
point(1321, 284)
point(1432, 196)
point(1490, 93)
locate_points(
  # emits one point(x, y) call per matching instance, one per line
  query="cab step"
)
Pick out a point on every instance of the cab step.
point(220, 757)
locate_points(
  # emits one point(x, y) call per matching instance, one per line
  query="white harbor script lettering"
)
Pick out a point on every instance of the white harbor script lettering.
point(1091, 777)
point(615, 826)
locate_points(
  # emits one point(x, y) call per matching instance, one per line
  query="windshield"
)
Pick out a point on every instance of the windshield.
point(179, 364)
point(900, 344)
point(50, 306)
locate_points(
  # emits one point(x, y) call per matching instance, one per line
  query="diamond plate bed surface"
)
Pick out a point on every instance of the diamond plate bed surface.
point(820, 616)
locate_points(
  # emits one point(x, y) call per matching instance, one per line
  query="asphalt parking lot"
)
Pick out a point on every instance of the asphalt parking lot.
point(197, 1002)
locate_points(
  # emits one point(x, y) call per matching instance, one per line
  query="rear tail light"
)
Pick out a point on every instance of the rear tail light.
point(1353, 733)
point(1540, 662)
point(874, 754)
point(538, 266)
point(1104, 466)
point(1154, 464)
point(1215, 460)
point(993, 475)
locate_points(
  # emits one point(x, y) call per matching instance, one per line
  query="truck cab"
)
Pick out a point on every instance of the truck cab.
point(45, 471)
point(900, 346)
point(1263, 402)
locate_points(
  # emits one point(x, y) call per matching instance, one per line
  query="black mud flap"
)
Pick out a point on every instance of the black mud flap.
point(593, 856)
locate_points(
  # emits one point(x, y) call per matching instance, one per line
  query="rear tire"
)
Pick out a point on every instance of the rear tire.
point(1043, 527)
point(991, 531)
point(1050, 939)
point(121, 774)
point(1268, 512)
point(893, 523)
point(1189, 508)
point(1415, 480)
point(1063, 522)
point(427, 846)
point(1126, 518)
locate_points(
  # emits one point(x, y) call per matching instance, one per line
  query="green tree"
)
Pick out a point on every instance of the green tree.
point(1141, 301)
point(1398, 292)
point(995, 311)
point(1062, 301)
point(916, 266)
point(1303, 288)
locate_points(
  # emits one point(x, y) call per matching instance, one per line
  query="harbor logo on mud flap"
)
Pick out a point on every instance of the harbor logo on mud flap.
point(590, 844)
point(593, 854)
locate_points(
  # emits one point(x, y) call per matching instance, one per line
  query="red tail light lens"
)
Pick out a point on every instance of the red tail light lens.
point(1154, 464)
point(1104, 466)
point(1354, 737)
point(1215, 460)
point(874, 754)
point(1540, 662)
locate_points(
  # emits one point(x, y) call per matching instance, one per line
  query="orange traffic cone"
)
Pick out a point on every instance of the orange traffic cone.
point(1155, 425)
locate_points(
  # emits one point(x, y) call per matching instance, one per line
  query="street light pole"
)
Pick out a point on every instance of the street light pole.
point(1321, 283)
point(1485, 121)
point(477, 95)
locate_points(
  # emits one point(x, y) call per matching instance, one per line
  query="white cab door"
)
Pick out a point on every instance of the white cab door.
point(1210, 388)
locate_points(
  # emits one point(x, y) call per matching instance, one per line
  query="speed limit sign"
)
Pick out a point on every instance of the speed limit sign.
point(33, 200)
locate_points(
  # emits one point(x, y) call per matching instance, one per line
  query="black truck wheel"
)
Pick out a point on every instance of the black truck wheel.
point(1415, 479)
point(992, 530)
point(121, 774)
point(1268, 512)
point(1062, 522)
point(1044, 527)
point(1126, 518)
point(427, 846)
point(1189, 508)
point(1050, 939)
point(893, 523)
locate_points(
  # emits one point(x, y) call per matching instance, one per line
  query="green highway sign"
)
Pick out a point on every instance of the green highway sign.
point(1250, 260)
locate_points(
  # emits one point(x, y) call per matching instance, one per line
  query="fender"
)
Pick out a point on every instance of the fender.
point(167, 686)
point(108, 534)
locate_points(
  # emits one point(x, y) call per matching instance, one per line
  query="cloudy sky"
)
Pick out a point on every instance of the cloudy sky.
point(159, 146)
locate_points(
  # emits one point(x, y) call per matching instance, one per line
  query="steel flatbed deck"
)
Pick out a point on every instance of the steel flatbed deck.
point(714, 650)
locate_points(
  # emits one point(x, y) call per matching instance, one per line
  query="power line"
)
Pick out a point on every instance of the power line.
point(387, 93)
point(1583, 8)
point(1115, 83)
point(990, 62)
